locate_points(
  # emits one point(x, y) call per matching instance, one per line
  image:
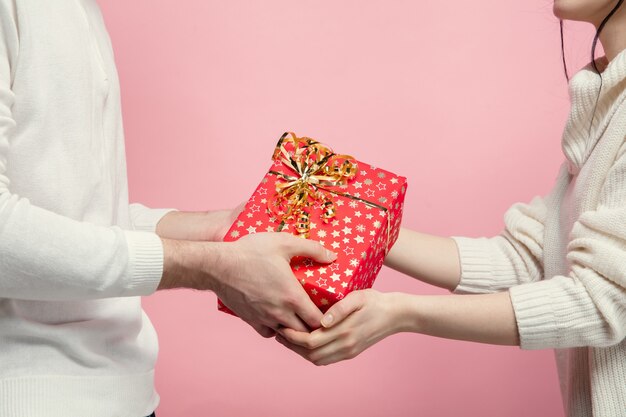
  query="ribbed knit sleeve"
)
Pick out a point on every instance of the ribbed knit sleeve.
point(46, 256)
point(587, 307)
point(514, 257)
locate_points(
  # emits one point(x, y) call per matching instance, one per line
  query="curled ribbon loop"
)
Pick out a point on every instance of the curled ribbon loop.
point(319, 173)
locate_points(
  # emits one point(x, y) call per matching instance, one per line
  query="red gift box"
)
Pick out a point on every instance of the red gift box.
point(350, 207)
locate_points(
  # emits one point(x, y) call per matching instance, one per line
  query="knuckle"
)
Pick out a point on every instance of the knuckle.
point(309, 344)
point(350, 343)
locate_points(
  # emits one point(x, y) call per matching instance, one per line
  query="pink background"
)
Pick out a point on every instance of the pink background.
point(470, 109)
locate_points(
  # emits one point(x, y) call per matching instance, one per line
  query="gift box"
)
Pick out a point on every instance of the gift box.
point(350, 207)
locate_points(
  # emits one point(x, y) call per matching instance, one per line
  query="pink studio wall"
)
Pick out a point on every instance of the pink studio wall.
point(466, 99)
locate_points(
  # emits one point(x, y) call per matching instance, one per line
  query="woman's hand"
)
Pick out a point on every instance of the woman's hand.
point(350, 326)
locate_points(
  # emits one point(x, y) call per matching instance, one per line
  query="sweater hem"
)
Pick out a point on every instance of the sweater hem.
point(78, 396)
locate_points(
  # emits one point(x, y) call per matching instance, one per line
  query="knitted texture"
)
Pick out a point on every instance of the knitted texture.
point(563, 256)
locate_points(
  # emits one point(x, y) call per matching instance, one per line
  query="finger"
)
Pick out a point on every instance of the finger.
point(313, 340)
point(304, 352)
point(310, 249)
point(292, 322)
point(263, 330)
point(308, 311)
point(321, 356)
point(339, 311)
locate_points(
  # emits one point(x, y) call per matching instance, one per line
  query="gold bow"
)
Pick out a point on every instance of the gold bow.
point(318, 170)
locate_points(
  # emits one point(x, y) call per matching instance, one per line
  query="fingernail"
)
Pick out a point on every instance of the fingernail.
point(327, 320)
point(331, 255)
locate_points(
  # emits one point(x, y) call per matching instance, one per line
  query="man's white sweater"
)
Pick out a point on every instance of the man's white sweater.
point(74, 256)
point(563, 257)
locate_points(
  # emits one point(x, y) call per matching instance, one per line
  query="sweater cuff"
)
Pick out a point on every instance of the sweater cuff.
point(556, 313)
point(146, 263)
point(146, 219)
point(476, 275)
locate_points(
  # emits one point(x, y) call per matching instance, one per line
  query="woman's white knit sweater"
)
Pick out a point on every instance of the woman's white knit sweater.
point(74, 255)
point(563, 256)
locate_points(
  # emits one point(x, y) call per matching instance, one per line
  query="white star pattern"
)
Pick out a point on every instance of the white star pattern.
point(361, 245)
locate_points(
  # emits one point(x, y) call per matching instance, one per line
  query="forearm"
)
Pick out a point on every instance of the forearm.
point(188, 264)
point(196, 226)
point(485, 318)
point(432, 259)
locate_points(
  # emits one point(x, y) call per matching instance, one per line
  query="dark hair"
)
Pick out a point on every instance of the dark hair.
point(593, 52)
point(595, 39)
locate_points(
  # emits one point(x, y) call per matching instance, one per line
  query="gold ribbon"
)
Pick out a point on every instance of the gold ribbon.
point(319, 172)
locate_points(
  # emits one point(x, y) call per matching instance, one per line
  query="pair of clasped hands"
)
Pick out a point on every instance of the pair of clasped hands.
point(252, 276)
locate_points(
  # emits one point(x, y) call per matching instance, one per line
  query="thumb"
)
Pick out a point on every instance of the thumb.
point(310, 249)
point(339, 311)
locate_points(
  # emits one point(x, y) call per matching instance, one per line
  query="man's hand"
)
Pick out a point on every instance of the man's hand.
point(208, 226)
point(251, 276)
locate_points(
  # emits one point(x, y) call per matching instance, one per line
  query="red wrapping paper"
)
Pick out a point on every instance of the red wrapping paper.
point(368, 212)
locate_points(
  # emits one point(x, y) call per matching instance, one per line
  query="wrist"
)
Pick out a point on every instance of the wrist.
point(404, 313)
point(188, 264)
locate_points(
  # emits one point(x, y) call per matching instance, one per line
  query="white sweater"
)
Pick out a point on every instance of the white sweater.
point(563, 257)
point(74, 256)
